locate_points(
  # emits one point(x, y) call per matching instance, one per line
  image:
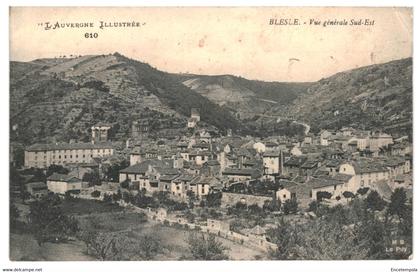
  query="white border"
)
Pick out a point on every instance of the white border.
point(178, 265)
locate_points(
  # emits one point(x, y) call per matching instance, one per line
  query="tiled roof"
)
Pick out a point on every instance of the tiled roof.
point(241, 172)
point(295, 161)
point(67, 146)
point(63, 178)
point(141, 168)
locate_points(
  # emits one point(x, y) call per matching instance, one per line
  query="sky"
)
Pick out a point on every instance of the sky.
point(238, 41)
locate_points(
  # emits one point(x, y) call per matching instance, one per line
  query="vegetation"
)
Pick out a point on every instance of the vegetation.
point(343, 233)
point(92, 178)
point(290, 206)
point(206, 247)
point(375, 202)
point(49, 223)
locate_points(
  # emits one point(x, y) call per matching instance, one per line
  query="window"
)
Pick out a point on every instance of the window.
point(65, 156)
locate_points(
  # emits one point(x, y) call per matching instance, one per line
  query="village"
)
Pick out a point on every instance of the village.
point(233, 186)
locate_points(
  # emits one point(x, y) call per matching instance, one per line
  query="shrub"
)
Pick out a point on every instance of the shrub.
point(375, 202)
point(348, 194)
point(95, 193)
point(290, 206)
point(363, 191)
point(323, 195)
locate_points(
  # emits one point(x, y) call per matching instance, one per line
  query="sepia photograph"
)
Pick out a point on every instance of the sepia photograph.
point(210, 133)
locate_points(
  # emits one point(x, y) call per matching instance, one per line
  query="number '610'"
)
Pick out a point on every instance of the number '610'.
point(91, 35)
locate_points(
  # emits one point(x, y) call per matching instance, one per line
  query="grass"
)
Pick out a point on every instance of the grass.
point(79, 206)
point(105, 217)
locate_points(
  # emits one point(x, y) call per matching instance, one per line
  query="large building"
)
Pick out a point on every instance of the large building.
point(100, 133)
point(43, 155)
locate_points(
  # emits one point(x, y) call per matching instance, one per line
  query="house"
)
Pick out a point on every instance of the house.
point(216, 226)
point(292, 167)
point(259, 147)
point(201, 186)
point(287, 191)
point(324, 137)
point(60, 183)
point(235, 174)
point(365, 173)
point(195, 113)
point(210, 168)
point(272, 162)
point(334, 185)
point(333, 167)
point(138, 174)
point(100, 132)
point(37, 189)
point(181, 185)
point(401, 148)
point(43, 155)
point(192, 122)
point(378, 140)
point(309, 167)
point(271, 147)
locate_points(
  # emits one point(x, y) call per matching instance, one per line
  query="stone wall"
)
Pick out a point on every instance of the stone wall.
point(232, 198)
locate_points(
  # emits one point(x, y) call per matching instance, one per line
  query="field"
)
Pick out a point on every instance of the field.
point(108, 218)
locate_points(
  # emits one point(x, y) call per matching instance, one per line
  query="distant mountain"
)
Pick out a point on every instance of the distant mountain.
point(372, 97)
point(244, 98)
point(59, 99)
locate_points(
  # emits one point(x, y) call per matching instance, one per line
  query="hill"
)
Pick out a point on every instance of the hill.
point(244, 98)
point(372, 97)
point(59, 99)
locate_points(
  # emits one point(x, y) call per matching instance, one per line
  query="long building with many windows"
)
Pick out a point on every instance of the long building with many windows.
point(43, 155)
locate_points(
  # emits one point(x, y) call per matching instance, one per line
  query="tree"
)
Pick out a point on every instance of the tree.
point(95, 194)
point(191, 198)
point(372, 234)
point(273, 205)
point(214, 199)
point(14, 216)
point(48, 223)
point(148, 246)
point(92, 178)
point(319, 240)
point(103, 246)
point(53, 168)
point(374, 201)
point(362, 191)
point(107, 198)
point(323, 194)
point(112, 173)
point(398, 203)
point(348, 195)
point(206, 247)
point(125, 184)
point(290, 206)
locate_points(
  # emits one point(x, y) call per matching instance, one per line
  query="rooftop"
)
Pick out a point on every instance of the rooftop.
point(68, 146)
